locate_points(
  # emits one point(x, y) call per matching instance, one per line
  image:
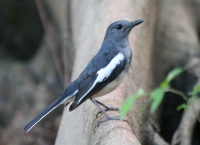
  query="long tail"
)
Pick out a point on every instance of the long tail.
point(50, 108)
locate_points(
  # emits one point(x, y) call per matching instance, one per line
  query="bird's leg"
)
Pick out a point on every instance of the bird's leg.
point(104, 112)
point(108, 108)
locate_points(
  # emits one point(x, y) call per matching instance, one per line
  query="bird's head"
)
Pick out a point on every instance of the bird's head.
point(119, 30)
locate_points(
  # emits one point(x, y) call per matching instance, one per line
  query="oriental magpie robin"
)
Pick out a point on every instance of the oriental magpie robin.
point(102, 75)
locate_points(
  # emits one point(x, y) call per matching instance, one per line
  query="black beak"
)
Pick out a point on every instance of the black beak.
point(135, 23)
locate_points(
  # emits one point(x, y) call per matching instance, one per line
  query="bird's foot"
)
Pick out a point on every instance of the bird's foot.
point(110, 118)
point(108, 109)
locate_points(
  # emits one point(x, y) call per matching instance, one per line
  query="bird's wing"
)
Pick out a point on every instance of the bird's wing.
point(92, 83)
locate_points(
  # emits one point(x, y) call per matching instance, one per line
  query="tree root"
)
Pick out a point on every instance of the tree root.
point(183, 134)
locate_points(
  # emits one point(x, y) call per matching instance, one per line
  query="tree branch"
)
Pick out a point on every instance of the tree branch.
point(51, 38)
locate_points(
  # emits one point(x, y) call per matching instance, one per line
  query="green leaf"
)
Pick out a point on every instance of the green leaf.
point(175, 72)
point(195, 91)
point(164, 85)
point(157, 97)
point(126, 106)
point(191, 100)
point(182, 106)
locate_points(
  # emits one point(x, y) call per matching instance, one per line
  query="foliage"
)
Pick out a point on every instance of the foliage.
point(194, 95)
point(156, 96)
point(129, 101)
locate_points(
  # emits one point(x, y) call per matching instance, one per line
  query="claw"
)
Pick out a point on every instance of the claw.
point(100, 112)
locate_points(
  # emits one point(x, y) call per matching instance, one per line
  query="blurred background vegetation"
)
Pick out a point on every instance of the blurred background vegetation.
point(28, 80)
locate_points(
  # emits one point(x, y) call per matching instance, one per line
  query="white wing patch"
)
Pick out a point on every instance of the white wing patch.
point(105, 72)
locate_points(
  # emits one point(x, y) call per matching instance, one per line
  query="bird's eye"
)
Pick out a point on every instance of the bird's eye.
point(119, 26)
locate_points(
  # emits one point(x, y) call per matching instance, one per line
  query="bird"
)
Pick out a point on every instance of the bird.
point(103, 74)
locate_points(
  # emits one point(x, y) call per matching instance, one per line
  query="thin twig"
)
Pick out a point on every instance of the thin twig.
point(185, 98)
point(51, 37)
point(179, 93)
